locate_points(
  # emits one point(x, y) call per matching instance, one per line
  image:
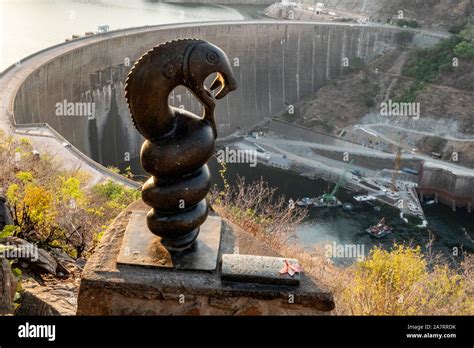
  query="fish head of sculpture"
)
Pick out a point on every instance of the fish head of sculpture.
point(202, 60)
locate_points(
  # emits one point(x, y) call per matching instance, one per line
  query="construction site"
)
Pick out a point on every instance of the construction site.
point(403, 180)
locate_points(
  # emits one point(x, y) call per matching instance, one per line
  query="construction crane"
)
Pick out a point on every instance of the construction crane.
point(398, 163)
point(330, 197)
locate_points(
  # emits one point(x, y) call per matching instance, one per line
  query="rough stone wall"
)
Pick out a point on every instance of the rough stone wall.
point(142, 303)
point(59, 298)
point(8, 285)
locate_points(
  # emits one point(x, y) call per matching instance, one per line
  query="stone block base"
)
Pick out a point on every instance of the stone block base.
point(109, 288)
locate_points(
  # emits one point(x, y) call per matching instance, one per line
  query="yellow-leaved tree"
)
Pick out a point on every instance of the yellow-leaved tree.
point(401, 282)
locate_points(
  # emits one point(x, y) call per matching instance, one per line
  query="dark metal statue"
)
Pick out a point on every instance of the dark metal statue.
point(178, 143)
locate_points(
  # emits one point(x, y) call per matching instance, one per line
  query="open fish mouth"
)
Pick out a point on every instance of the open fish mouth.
point(226, 84)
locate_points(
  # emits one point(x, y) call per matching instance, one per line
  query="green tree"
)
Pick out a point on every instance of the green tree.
point(427, 63)
point(25, 176)
point(355, 64)
point(464, 50)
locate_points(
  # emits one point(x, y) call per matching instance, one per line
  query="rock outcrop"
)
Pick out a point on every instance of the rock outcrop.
point(8, 285)
point(5, 217)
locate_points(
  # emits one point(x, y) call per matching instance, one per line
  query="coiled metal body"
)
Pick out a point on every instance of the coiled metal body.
point(178, 144)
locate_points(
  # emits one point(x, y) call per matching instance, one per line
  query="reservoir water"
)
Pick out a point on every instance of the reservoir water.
point(27, 26)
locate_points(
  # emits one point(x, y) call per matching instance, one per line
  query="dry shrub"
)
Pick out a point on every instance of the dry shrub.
point(401, 281)
point(52, 206)
point(257, 210)
point(467, 269)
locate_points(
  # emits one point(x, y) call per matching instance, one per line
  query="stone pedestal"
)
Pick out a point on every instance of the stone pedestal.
point(115, 282)
point(142, 248)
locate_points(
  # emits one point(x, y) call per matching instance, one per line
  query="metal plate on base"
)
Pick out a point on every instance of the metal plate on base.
point(257, 269)
point(142, 248)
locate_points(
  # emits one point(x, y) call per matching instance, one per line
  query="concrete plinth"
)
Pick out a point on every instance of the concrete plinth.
point(111, 288)
point(142, 248)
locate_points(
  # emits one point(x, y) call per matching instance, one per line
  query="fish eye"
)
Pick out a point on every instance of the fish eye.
point(212, 58)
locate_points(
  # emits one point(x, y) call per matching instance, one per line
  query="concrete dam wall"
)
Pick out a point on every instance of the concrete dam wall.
point(276, 65)
point(453, 189)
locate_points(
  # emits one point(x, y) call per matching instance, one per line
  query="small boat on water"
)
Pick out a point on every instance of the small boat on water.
point(319, 202)
point(327, 200)
point(364, 198)
point(347, 207)
point(305, 202)
point(380, 230)
point(323, 202)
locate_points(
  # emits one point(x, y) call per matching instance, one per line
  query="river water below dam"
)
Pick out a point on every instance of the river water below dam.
point(327, 226)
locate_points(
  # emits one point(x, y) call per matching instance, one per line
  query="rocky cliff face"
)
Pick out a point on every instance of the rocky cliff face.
point(431, 13)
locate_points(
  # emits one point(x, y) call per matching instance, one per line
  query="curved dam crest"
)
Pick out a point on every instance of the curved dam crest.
point(276, 64)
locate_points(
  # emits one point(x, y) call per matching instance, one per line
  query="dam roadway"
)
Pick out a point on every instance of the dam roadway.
point(276, 64)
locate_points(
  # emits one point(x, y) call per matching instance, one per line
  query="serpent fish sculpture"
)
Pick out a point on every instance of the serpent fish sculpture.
point(178, 143)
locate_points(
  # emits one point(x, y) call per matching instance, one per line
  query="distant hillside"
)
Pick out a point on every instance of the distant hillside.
point(430, 13)
point(425, 76)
